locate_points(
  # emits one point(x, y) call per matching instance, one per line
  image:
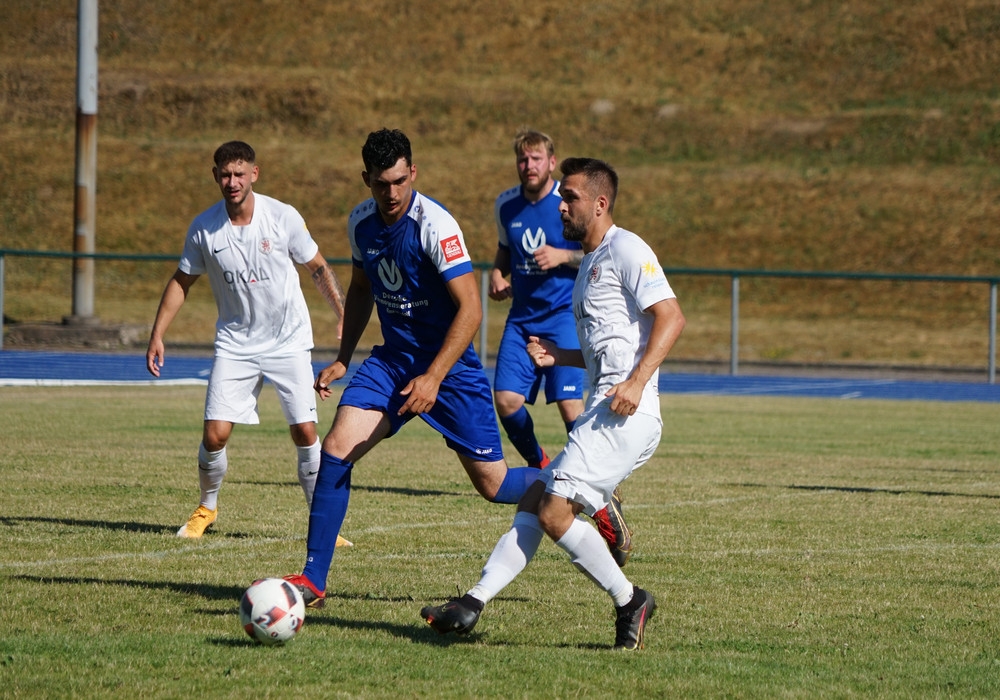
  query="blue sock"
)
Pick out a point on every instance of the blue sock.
point(515, 483)
point(520, 430)
point(329, 506)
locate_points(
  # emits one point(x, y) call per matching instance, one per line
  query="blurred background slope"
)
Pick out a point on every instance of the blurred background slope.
point(849, 136)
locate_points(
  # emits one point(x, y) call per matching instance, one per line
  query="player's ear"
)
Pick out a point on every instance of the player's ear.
point(366, 178)
point(601, 204)
point(254, 173)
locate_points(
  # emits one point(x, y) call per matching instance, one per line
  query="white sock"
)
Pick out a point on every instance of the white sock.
point(511, 554)
point(308, 469)
point(590, 555)
point(212, 468)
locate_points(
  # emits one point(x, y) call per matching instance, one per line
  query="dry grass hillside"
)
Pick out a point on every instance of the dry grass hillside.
point(861, 135)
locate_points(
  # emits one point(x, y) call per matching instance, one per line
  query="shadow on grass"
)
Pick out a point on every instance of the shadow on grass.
point(360, 487)
point(204, 590)
point(416, 632)
point(410, 492)
point(867, 489)
point(240, 642)
point(144, 528)
point(422, 633)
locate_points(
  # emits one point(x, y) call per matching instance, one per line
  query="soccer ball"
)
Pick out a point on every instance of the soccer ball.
point(272, 611)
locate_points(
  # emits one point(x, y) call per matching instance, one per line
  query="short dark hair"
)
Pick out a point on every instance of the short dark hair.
point(232, 151)
point(601, 177)
point(384, 148)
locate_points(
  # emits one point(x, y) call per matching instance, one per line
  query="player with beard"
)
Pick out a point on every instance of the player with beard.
point(541, 265)
point(627, 320)
point(248, 245)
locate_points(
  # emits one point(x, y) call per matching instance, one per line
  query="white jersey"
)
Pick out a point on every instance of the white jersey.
point(615, 284)
point(262, 310)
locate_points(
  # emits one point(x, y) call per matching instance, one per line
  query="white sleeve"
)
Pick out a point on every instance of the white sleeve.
point(301, 246)
point(192, 260)
point(442, 239)
point(358, 214)
point(641, 272)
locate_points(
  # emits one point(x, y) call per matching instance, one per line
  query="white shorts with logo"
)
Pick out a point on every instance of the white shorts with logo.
point(604, 448)
point(234, 388)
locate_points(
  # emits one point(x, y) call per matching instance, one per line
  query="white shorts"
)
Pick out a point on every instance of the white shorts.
point(604, 448)
point(234, 388)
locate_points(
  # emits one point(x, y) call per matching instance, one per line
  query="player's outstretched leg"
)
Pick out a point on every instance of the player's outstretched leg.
point(510, 556)
point(520, 431)
point(611, 524)
point(311, 596)
point(329, 506)
point(631, 619)
point(458, 615)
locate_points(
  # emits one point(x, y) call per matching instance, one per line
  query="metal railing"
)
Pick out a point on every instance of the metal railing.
point(734, 275)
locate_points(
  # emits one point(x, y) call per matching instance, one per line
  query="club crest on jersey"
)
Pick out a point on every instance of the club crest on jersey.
point(390, 275)
point(595, 274)
point(532, 241)
point(266, 247)
point(452, 248)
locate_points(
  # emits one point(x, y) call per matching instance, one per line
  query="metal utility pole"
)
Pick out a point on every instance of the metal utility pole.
point(86, 163)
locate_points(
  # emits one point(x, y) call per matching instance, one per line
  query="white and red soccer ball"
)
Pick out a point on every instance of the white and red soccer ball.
point(272, 611)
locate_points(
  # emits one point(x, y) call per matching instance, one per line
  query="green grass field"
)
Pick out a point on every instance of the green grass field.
point(797, 547)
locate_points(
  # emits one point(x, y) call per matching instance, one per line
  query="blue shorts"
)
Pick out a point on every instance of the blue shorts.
point(463, 412)
point(517, 373)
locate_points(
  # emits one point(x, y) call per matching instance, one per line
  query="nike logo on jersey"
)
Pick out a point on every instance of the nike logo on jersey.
point(390, 275)
point(216, 251)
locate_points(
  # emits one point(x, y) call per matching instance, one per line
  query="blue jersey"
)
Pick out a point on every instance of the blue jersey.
point(522, 228)
point(408, 264)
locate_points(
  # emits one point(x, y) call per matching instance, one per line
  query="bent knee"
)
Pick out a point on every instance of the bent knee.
point(556, 514)
point(486, 477)
point(507, 402)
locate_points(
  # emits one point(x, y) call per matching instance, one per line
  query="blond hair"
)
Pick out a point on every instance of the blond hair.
point(529, 138)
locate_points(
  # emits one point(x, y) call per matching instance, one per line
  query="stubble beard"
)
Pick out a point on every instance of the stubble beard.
point(573, 232)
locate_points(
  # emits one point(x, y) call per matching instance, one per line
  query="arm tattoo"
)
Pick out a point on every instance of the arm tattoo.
point(328, 285)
